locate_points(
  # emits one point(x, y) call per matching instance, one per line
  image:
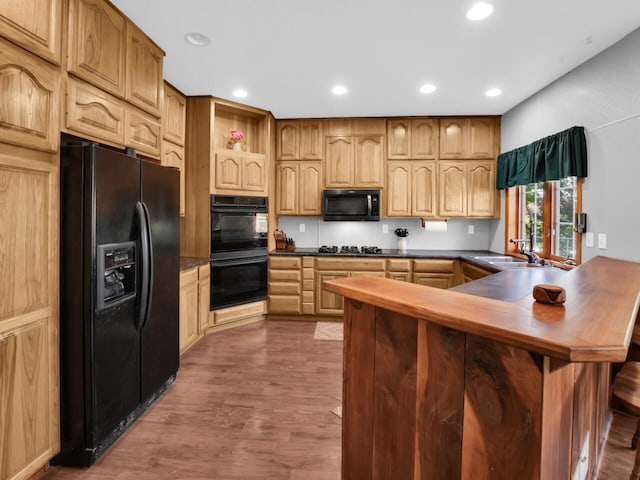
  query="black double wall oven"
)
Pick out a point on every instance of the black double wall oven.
point(238, 250)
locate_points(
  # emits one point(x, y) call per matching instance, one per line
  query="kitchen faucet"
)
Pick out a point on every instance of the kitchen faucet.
point(531, 255)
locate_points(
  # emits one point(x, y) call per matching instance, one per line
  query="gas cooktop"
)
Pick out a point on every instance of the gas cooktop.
point(350, 250)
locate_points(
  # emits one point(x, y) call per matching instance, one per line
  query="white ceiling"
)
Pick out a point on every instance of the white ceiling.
point(288, 54)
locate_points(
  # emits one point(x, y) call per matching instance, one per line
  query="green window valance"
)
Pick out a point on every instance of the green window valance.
point(551, 158)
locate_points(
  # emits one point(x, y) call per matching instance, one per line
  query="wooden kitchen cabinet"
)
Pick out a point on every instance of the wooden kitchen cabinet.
point(29, 332)
point(481, 189)
point(299, 140)
point(354, 162)
point(204, 297)
point(299, 188)
point(285, 285)
point(94, 114)
point(189, 308)
point(368, 155)
point(339, 164)
point(29, 100)
point(173, 156)
point(470, 138)
point(467, 189)
point(437, 273)
point(97, 44)
point(144, 83)
point(142, 132)
point(239, 173)
point(412, 138)
point(330, 268)
point(174, 115)
point(411, 189)
point(35, 25)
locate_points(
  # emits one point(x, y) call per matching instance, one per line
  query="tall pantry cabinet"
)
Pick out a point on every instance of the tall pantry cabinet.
point(74, 66)
point(29, 217)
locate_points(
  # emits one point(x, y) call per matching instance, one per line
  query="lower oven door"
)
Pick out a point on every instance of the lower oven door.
point(235, 281)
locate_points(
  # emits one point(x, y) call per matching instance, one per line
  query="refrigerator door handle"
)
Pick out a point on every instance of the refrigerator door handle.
point(144, 261)
point(149, 259)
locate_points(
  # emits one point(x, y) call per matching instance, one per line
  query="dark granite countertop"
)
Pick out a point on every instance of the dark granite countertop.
point(392, 252)
point(191, 262)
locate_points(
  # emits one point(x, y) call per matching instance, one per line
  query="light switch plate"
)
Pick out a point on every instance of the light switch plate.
point(385, 228)
point(303, 227)
point(602, 241)
point(471, 230)
point(588, 240)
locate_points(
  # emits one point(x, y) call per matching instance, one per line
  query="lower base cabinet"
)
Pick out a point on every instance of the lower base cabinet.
point(194, 305)
point(295, 283)
point(189, 308)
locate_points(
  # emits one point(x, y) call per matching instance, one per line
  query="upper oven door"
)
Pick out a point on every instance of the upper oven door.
point(234, 229)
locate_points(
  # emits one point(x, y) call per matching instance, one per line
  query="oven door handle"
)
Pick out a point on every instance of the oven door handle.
point(238, 210)
point(239, 261)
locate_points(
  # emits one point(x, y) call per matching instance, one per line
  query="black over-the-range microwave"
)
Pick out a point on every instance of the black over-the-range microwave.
point(351, 205)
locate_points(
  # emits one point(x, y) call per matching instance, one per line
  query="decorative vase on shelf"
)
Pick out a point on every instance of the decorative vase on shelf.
point(402, 244)
point(237, 147)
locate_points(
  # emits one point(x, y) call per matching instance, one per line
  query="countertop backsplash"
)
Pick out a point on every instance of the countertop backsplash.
point(318, 232)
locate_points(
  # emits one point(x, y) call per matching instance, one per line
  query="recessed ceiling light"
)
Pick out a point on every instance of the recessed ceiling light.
point(479, 11)
point(339, 90)
point(197, 39)
point(427, 88)
point(239, 93)
point(493, 92)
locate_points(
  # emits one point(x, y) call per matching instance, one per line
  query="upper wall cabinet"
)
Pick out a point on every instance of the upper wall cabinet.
point(468, 138)
point(29, 100)
point(33, 24)
point(300, 140)
point(144, 84)
point(412, 138)
point(354, 161)
point(174, 115)
point(97, 40)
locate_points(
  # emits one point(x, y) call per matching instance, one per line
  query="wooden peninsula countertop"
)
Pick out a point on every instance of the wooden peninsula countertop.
point(594, 325)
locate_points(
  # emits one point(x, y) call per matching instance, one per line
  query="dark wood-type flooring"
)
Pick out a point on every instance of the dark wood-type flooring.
point(252, 402)
point(255, 402)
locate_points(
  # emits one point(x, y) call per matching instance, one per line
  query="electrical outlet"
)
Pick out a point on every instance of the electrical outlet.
point(385, 228)
point(303, 227)
point(588, 239)
point(471, 230)
point(602, 241)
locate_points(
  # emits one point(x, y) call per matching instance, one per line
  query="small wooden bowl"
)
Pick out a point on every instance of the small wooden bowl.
point(552, 294)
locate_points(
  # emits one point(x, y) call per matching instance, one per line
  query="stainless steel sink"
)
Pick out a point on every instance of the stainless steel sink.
point(500, 259)
point(516, 264)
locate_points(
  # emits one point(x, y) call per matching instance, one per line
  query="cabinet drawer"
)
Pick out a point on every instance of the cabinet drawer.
point(308, 297)
point(307, 273)
point(445, 266)
point(284, 304)
point(403, 265)
point(283, 288)
point(308, 285)
point(285, 263)
point(284, 276)
point(308, 262)
point(350, 264)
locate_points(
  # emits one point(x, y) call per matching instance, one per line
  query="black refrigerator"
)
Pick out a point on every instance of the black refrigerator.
point(119, 293)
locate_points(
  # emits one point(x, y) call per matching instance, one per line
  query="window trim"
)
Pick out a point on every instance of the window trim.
point(511, 214)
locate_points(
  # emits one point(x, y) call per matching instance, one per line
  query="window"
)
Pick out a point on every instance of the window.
point(542, 214)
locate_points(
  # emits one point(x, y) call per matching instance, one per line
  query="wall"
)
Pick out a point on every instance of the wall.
point(603, 95)
point(318, 232)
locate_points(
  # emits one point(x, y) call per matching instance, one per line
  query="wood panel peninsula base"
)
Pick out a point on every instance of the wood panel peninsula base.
point(444, 385)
